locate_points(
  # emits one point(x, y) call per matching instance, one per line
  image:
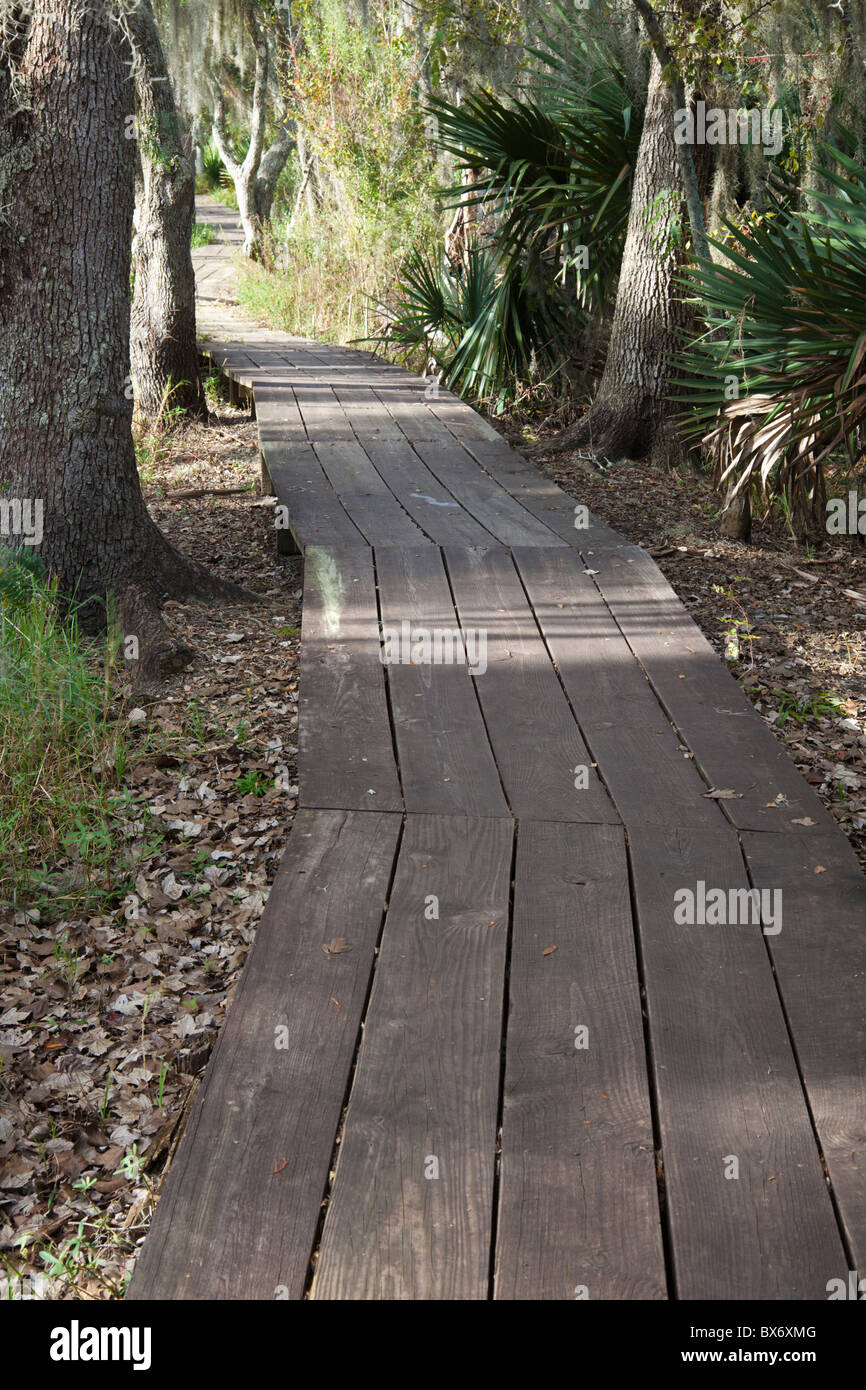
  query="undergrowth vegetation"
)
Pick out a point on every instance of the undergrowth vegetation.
point(363, 195)
point(63, 810)
point(460, 194)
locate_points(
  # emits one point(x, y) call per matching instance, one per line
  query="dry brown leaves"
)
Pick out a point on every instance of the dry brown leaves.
point(106, 1021)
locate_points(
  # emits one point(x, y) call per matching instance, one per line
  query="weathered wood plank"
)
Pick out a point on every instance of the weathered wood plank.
point(732, 745)
point(639, 755)
point(727, 1088)
point(409, 410)
point(461, 419)
point(345, 748)
point(372, 506)
point(535, 739)
point(367, 415)
point(322, 414)
point(432, 506)
point(489, 503)
point(279, 419)
point(425, 1093)
point(446, 763)
point(820, 961)
point(578, 1203)
point(541, 496)
point(316, 515)
point(238, 1216)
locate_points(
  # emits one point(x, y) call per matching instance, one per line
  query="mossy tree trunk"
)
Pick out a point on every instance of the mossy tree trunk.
point(165, 365)
point(65, 407)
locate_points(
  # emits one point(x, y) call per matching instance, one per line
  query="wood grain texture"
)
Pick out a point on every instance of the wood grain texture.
point(532, 730)
point(427, 1080)
point(483, 498)
point(345, 749)
point(368, 501)
point(436, 510)
point(732, 745)
point(369, 418)
point(820, 962)
point(278, 416)
point(316, 515)
point(462, 421)
point(727, 1086)
point(238, 1216)
point(541, 496)
point(578, 1206)
point(748, 1046)
point(640, 757)
point(446, 762)
point(409, 409)
point(324, 419)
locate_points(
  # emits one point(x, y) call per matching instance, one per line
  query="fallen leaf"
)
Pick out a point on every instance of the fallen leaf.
point(724, 794)
point(549, 950)
point(336, 946)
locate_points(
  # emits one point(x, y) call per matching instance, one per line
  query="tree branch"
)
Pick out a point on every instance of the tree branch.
point(260, 90)
point(220, 135)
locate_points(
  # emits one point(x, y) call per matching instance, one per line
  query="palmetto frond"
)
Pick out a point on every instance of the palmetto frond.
point(779, 383)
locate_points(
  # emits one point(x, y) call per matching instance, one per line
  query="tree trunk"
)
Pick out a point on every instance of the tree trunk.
point(256, 177)
point(631, 413)
point(736, 515)
point(198, 145)
point(65, 416)
point(676, 86)
point(165, 364)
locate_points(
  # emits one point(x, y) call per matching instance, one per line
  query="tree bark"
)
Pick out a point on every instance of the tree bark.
point(65, 413)
point(685, 157)
point(631, 413)
point(165, 364)
point(255, 178)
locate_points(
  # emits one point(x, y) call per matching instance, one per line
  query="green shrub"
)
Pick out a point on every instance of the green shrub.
point(777, 390)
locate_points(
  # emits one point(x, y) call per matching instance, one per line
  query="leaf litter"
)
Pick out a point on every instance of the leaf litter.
point(107, 1019)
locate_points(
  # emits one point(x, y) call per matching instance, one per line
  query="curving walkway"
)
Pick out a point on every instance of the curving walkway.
point(516, 1073)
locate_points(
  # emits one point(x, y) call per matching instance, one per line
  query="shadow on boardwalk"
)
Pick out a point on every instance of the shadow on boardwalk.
point(558, 1045)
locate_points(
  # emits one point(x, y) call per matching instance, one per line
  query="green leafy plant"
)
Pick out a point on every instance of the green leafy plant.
point(212, 166)
point(62, 807)
point(203, 234)
point(776, 390)
point(549, 177)
point(803, 707)
point(253, 783)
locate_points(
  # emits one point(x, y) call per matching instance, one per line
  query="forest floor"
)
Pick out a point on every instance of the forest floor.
point(106, 1038)
point(787, 619)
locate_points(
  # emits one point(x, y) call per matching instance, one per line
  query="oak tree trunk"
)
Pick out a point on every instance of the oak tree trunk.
point(630, 414)
point(65, 409)
point(165, 364)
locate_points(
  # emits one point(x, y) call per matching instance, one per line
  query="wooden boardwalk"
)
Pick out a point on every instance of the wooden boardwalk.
point(525, 1078)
